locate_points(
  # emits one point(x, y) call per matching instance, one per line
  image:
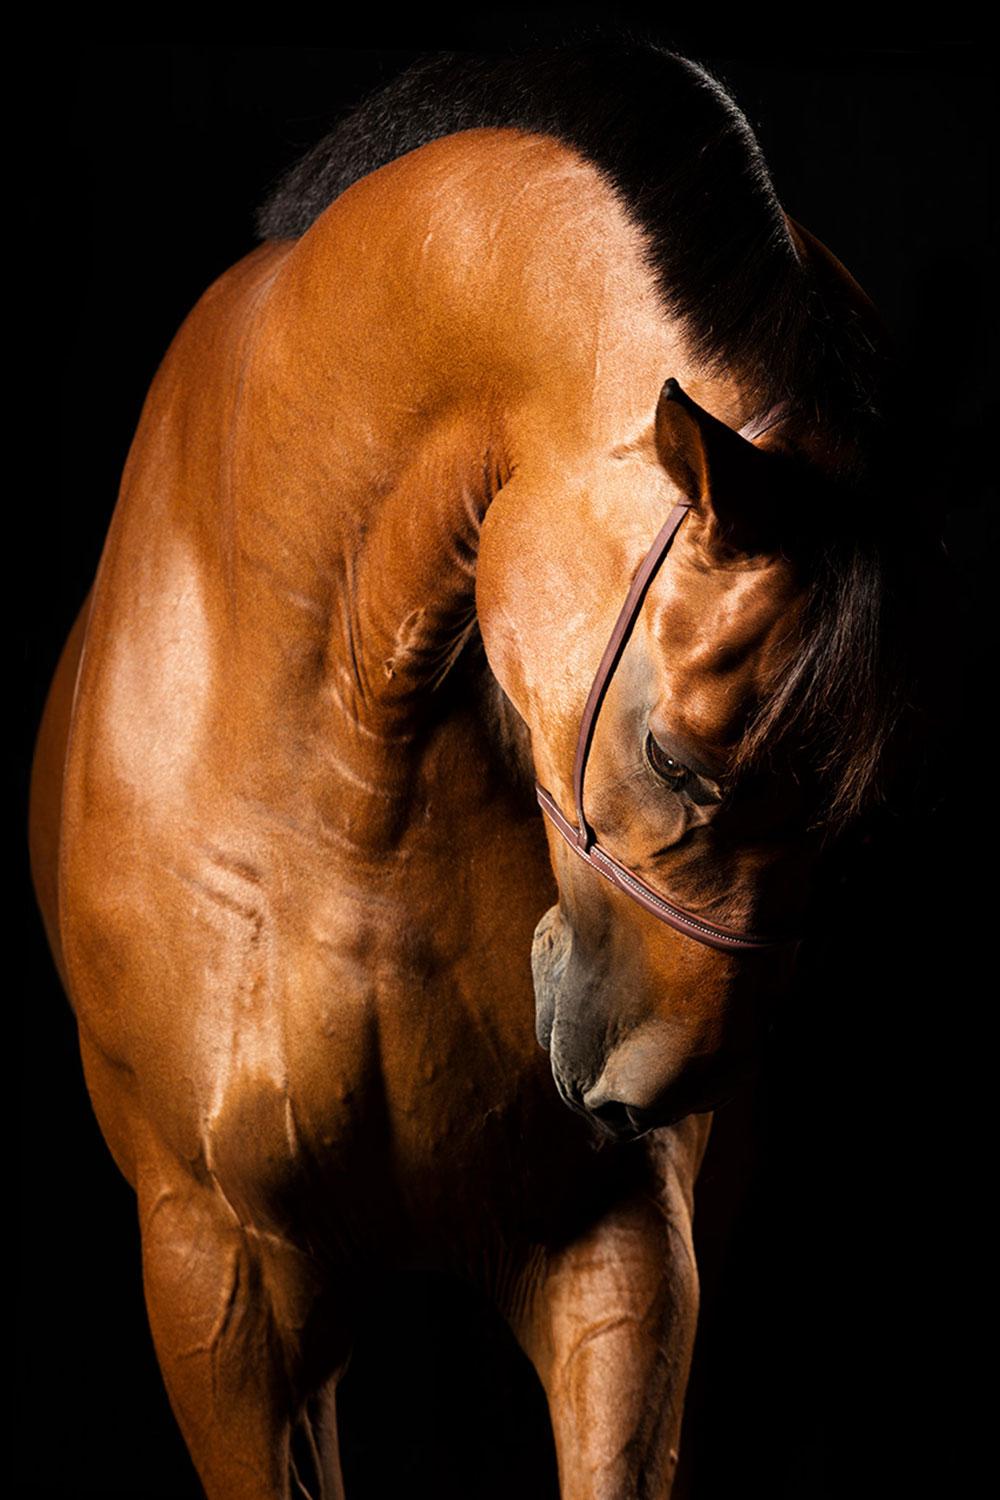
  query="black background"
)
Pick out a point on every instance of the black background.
point(843, 1286)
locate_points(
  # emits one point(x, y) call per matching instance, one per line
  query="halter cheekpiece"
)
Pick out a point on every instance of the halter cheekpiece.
point(582, 838)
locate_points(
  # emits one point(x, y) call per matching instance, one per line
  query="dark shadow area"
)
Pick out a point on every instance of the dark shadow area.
point(455, 1397)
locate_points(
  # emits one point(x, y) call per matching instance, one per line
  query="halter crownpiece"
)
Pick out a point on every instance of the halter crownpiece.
point(582, 838)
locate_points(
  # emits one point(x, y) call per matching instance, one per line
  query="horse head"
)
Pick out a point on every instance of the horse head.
point(644, 1023)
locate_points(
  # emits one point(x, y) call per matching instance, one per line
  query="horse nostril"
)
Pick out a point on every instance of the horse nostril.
point(615, 1116)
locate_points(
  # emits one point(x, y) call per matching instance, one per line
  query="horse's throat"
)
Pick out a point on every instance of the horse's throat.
point(403, 635)
point(414, 575)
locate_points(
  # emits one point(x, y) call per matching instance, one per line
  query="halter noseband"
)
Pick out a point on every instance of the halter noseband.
point(582, 838)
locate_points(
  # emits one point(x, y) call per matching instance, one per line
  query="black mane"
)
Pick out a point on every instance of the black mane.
point(685, 164)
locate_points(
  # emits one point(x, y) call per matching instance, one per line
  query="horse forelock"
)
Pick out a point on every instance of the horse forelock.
point(856, 679)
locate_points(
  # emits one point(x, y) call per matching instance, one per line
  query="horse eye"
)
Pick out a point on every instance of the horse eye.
point(669, 770)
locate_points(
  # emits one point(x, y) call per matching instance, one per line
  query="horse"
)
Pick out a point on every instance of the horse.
point(354, 990)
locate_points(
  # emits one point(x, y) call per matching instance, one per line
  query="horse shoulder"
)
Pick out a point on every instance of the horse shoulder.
point(126, 808)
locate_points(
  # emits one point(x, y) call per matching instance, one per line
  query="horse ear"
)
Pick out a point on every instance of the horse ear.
point(731, 484)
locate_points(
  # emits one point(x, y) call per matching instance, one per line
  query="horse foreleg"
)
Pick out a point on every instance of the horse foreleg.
point(610, 1324)
point(229, 1311)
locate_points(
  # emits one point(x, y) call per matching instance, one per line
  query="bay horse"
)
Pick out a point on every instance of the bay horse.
point(347, 999)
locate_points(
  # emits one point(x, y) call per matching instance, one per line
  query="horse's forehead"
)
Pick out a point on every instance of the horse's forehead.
point(719, 634)
point(721, 614)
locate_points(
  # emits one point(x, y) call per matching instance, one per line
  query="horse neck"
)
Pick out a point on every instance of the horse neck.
point(436, 329)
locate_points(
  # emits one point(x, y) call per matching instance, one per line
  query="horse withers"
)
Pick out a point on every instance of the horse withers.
point(387, 495)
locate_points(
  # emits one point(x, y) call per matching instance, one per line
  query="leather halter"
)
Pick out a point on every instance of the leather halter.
point(582, 837)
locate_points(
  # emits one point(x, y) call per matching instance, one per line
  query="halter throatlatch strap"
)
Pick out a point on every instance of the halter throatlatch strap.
point(582, 838)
